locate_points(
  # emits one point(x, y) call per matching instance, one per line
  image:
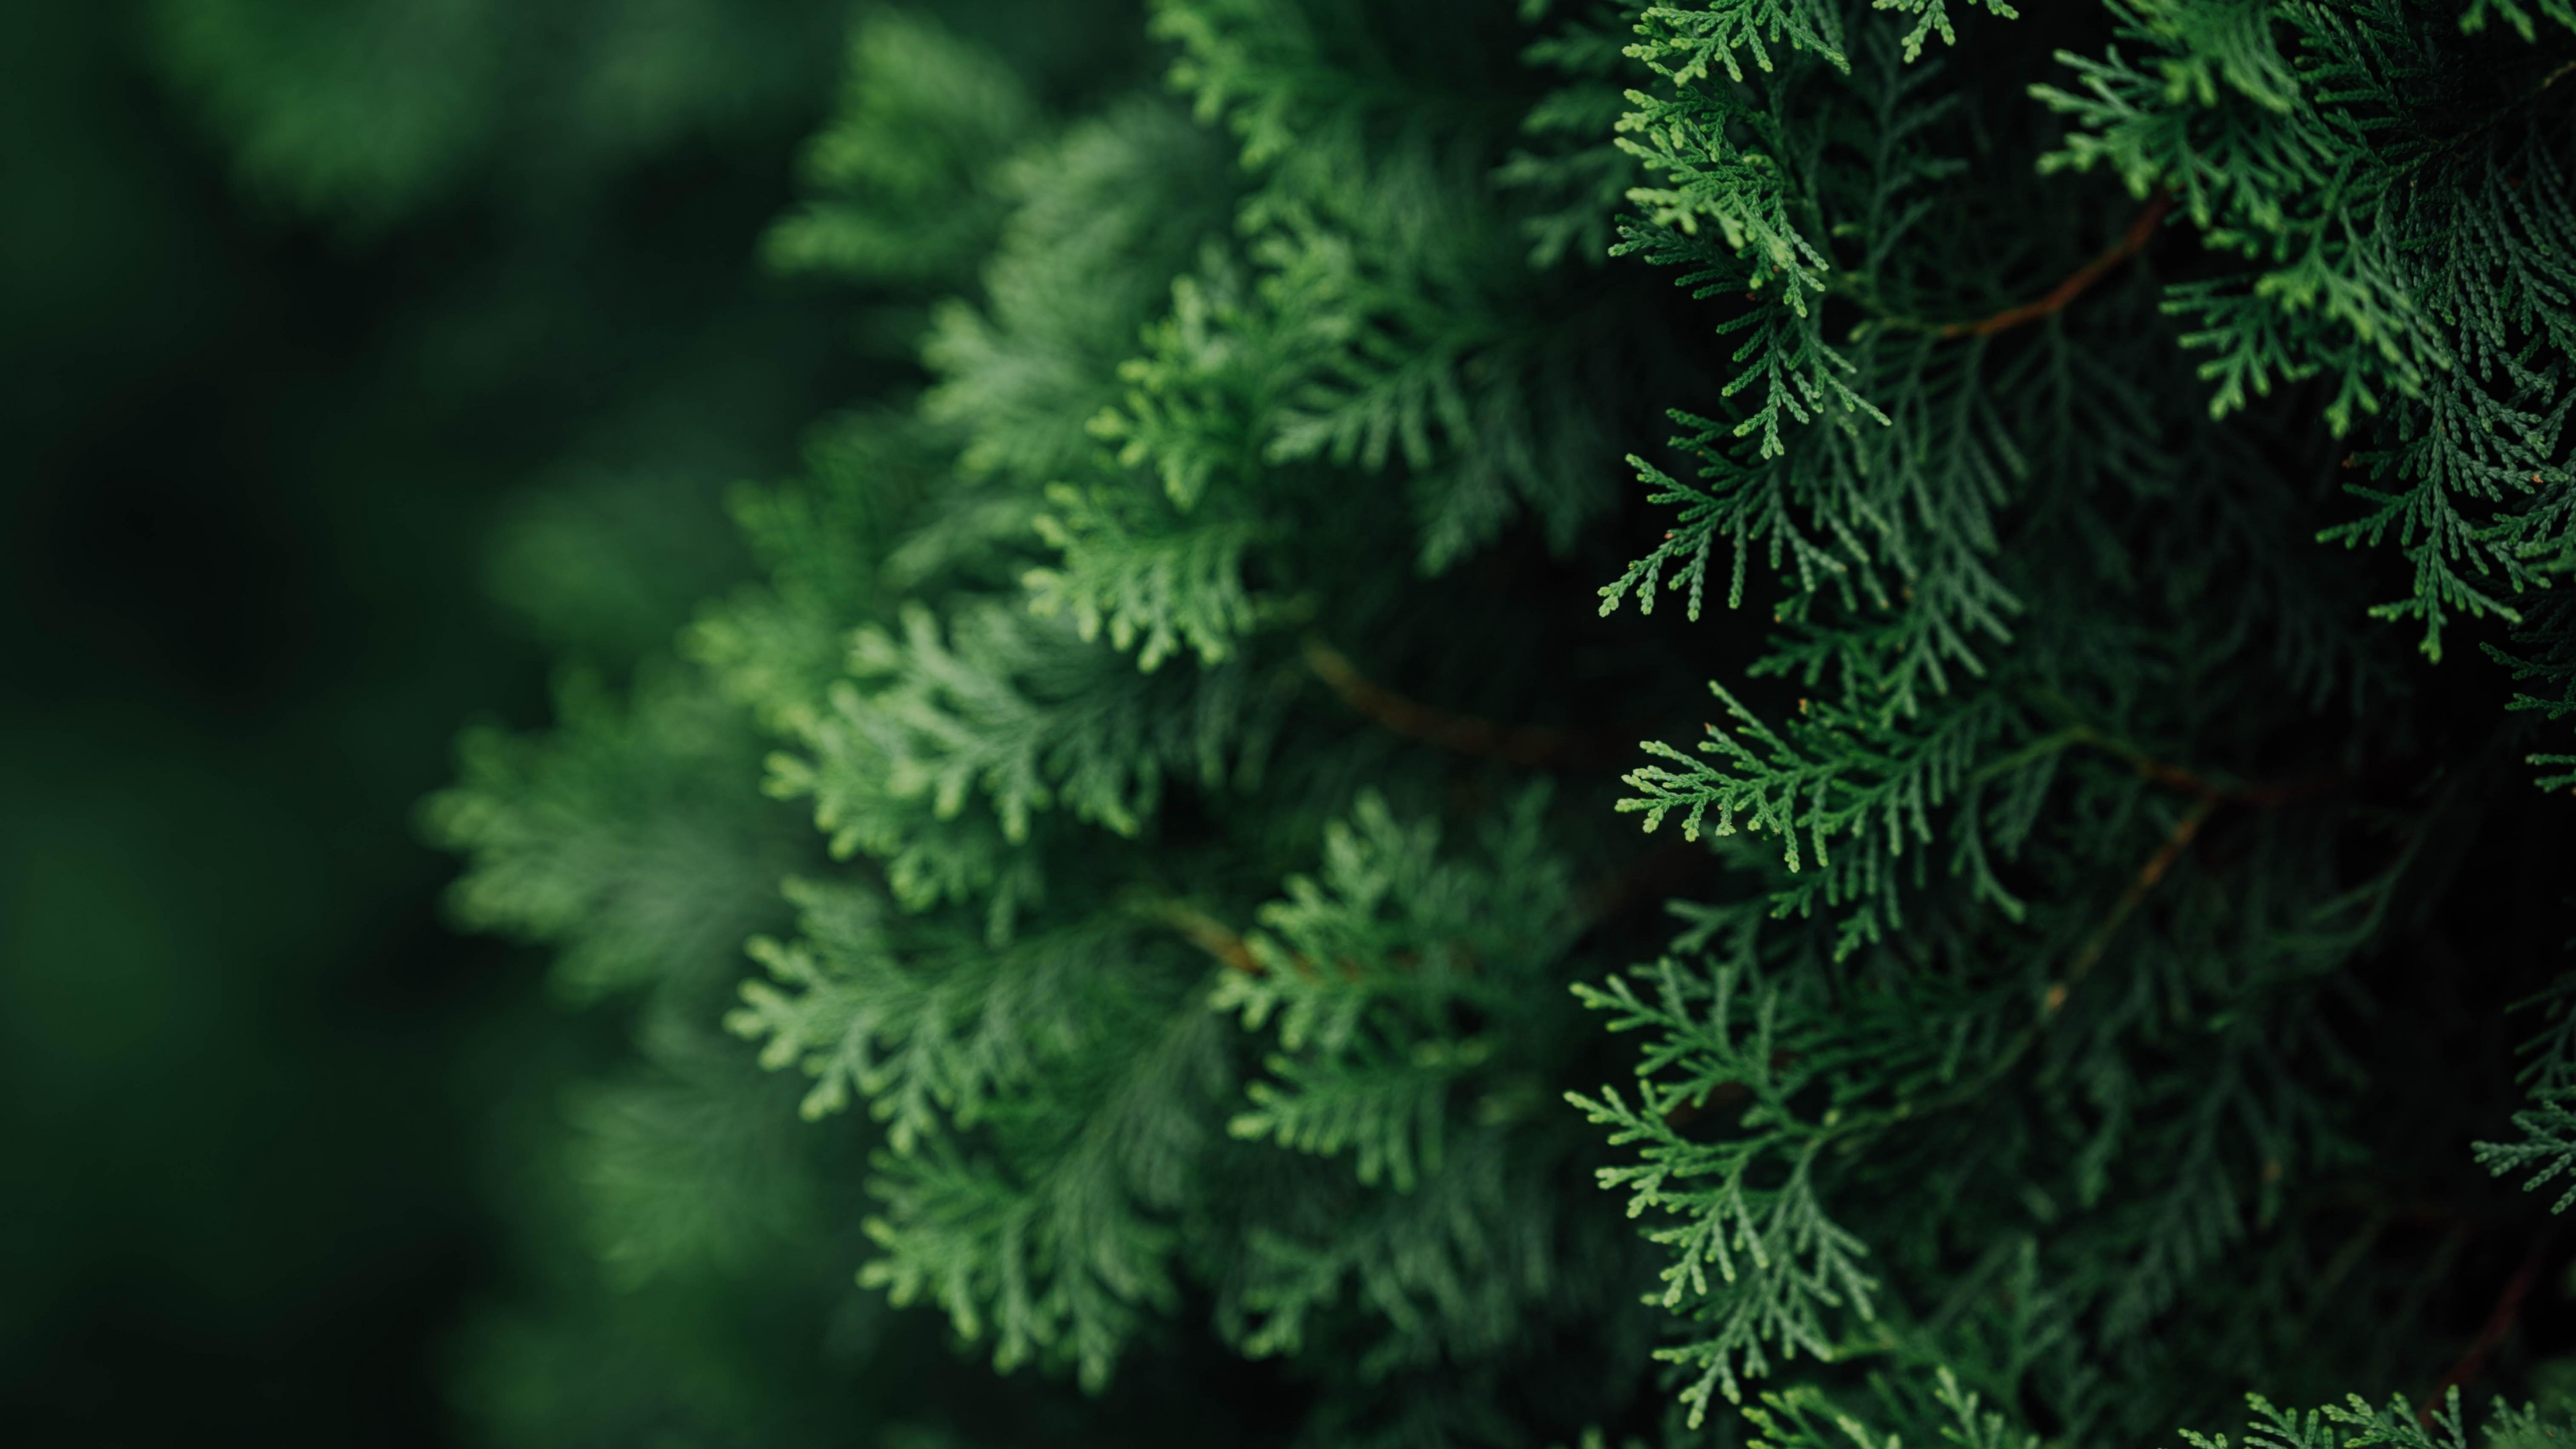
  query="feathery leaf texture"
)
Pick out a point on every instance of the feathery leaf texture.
point(2040, 1011)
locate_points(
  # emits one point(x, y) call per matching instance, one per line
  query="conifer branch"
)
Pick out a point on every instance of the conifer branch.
point(2131, 242)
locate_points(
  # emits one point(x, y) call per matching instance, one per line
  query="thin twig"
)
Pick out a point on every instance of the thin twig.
point(2279, 792)
point(1666, 866)
point(1208, 934)
point(2176, 841)
point(1234, 952)
point(1595, 903)
point(2207, 795)
point(2218, 788)
point(1530, 745)
point(2131, 242)
point(2499, 1324)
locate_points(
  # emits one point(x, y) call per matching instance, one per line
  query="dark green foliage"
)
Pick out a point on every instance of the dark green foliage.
point(367, 112)
point(2403, 200)
point(2548, 1144)
point(1195, 674)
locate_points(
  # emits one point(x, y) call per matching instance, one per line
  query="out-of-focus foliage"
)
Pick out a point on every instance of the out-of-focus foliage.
point(259, 457)
point(1144, 796)
point(371, 112)
point(1018, 640)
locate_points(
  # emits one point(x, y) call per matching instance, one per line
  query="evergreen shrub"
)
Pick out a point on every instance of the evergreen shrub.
point(2029, 478)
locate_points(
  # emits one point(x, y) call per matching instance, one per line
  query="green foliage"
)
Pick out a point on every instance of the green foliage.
point(2548, 1145)
point(625, 834)
point(924, 113)
point(372, 112)
point(1964, 504)
point(2356, 1423)
point(1779, 1262)
point(1184, 938)
point(2406, 210)
point(1375, 972)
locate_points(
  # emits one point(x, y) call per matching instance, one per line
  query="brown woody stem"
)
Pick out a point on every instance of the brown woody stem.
point(2500, 1322)
point(2131, 242)
point(2176, 841)
point(2207, 795)
point(1208, 934)
point(1528, 745)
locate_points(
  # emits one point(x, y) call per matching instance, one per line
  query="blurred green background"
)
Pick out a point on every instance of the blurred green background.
point(363, 362)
